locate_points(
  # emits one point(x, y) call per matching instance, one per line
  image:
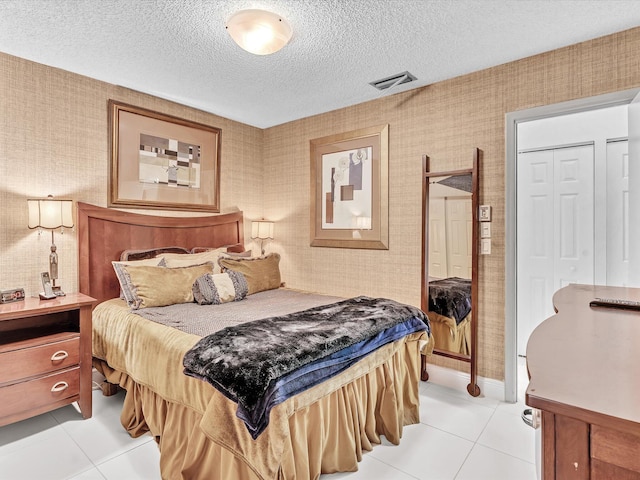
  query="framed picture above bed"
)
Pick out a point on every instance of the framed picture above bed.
point(349, 189)
point(160, 161)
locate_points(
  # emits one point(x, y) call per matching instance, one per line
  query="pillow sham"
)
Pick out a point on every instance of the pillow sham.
point(123, 276)
point(242, 254)
point(174, 260)
point(217, 288)
point(261, 273)
point(159, 286)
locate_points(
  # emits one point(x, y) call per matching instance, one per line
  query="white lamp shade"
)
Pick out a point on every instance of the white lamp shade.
point(262, 229)
point(363, 223)
point(258, 31)
point(50, 213)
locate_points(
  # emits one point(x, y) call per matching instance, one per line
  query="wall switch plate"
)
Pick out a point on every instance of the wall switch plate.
point(485, 230)
point(485, 246)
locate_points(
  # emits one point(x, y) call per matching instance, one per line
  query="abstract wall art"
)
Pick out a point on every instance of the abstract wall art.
point(160, 161)
point(349, 189)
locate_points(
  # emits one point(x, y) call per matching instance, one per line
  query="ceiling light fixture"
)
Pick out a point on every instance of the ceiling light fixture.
point(258, 31)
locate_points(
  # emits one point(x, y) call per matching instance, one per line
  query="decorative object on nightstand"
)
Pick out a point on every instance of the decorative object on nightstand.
point(262, 229)
point(49, 214)
point(45, 356)
point(11, 295)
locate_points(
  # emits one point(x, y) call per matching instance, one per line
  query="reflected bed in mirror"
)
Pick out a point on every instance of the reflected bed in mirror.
point(450, 263)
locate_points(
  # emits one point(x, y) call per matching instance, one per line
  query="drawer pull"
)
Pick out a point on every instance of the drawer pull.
point(59, 355)
point(59, 386)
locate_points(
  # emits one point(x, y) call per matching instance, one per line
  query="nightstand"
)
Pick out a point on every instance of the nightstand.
point(45, 356)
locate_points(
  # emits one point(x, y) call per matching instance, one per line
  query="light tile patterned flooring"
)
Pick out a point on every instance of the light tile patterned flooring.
point(459, 437)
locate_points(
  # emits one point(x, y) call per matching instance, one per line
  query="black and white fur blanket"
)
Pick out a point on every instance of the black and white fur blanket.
point(248, 362)
point(450, 297)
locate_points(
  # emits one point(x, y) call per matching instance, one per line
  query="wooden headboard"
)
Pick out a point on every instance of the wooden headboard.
point(104, 233)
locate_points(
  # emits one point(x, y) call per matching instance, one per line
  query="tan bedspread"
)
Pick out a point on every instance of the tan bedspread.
point(151, 355)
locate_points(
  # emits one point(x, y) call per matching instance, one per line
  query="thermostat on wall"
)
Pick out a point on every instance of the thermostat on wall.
point(485, 213)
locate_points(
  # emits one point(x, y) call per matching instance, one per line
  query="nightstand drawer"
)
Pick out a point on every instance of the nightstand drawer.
point(616, 448)
point(39, 356)
point(40, 391)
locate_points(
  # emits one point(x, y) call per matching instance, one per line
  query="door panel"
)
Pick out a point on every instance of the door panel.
point(437, 239)
point(458, 236)
point(535, 241)
point(634, 191)
point(554, 229)
point(618, 214)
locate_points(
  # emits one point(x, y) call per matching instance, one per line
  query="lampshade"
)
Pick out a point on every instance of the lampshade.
point(50, 213)
point(363, 223)
point(262, 229)
point(258, 31)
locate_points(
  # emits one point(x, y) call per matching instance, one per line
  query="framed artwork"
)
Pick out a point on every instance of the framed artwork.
point(161, 161)
point(350, 190)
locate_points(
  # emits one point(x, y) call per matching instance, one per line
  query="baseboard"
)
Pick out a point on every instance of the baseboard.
point(448, 377)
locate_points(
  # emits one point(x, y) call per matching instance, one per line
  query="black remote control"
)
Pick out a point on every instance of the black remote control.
point(615, 303)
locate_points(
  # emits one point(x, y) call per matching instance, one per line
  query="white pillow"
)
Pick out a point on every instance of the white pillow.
point(173, 260)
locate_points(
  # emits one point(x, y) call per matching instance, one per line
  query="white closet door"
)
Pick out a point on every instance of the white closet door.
point(634, 191)
point(618, 213)
point(554, 230)
point(573, 207)
point(459, 235)
point(437, 239)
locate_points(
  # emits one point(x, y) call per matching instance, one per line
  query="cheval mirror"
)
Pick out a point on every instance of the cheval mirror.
point(450, 242)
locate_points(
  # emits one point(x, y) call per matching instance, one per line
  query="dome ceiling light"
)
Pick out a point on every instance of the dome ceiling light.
point(258, 31)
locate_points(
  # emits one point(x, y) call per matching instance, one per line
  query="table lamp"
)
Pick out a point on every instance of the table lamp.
point(50, 214)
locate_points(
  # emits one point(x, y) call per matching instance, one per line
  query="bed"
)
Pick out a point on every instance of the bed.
point(324, 428)
point(450, 314)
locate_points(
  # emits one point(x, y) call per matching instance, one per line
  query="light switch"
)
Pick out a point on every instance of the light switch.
point(485, 246)
point(485, 230)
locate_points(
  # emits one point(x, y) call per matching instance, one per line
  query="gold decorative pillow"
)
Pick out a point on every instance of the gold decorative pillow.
point(160, 286)
point(261, 273)
point(123, 276)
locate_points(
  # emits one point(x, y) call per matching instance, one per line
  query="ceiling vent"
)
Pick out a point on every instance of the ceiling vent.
point(393, 81)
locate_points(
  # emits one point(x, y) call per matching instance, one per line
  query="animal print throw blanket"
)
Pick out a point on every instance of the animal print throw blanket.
point(262, 363)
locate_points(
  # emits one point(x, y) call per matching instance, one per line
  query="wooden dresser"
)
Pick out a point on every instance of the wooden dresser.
point(584, 371)
point(45, 356)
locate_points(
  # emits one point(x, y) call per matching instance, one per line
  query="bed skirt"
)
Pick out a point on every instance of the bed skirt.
point(327, 433)
point(449, 336)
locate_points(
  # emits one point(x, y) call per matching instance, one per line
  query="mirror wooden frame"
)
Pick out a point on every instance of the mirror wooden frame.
point(472, 358)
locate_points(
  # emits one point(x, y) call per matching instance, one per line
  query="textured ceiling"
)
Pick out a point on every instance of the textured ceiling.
point(179, 49)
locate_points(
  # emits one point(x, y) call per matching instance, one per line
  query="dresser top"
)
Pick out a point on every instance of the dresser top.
point(585, 361)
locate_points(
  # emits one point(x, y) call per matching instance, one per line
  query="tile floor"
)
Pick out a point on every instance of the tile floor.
point(459, 437)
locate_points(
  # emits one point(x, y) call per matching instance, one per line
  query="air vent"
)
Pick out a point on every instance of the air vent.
point(394, 80)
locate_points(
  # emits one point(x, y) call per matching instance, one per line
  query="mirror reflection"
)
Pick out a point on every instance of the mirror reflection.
point(450, 262)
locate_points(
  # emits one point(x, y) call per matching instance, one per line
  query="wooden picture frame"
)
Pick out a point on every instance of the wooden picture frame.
point(350, 189)
point(162, 162)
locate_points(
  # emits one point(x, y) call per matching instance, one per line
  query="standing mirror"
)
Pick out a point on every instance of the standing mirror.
point(450, 239)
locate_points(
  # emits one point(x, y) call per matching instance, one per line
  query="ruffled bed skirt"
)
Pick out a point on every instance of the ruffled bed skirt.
point(327, 435)
point(449, 336)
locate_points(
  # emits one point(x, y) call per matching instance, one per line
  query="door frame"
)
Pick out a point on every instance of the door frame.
point(512, 119)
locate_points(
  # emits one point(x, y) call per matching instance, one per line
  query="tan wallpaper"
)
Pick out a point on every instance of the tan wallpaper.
point(445, 121)
point(54, 140)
